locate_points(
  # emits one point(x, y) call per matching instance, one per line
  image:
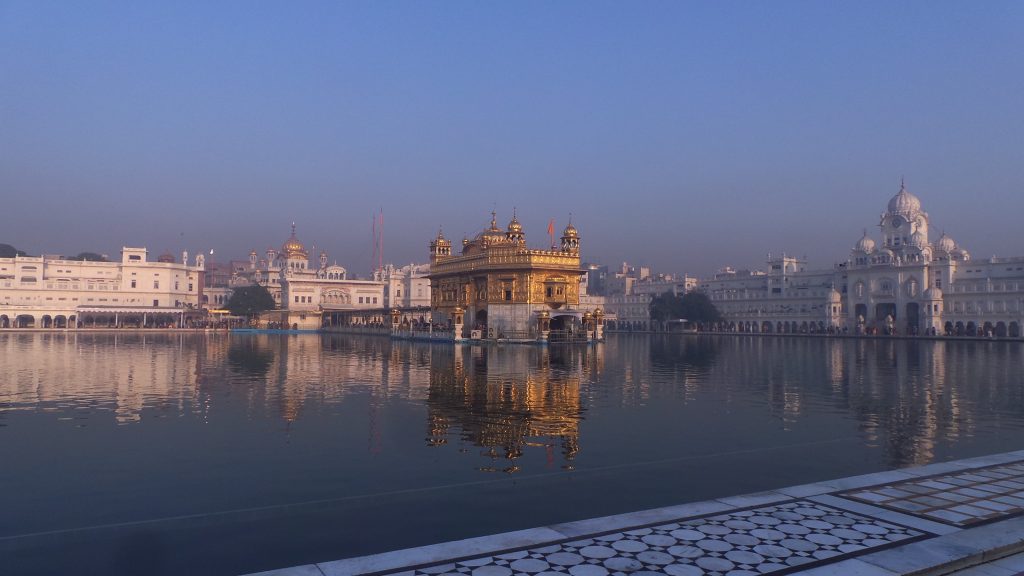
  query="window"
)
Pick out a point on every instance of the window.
point(133, 282)
point(189, 286)
point(360, 299)
point(156, 284)
point(374, 299)
point(156, 302)
point(135, 257)
point(296, 299)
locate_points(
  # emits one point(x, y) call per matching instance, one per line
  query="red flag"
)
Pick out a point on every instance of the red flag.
point(551, 231)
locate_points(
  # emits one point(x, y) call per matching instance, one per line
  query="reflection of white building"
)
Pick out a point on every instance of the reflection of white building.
point(906, 283)
point(51, 292)
point(405, 287)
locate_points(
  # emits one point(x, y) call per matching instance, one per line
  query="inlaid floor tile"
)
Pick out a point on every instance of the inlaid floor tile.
point(774, 539)
point(959, 499)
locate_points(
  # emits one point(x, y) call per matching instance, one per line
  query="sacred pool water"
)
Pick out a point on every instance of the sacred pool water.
point(226, 454)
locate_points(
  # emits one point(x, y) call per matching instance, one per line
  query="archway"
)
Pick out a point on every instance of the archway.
point(960, 330)
point(480, 320)
point(987, 329)
point(25, 321)
point(972, 329)
point(1001, 329)
point(860, 312)
point(948, 327)
point(913, 317)
point(47, 321)
point(803, 327)
point(792, 327)
point(766, 327)
point(1014, 331)
point(779, 328)
point(60, 322)
point(884, 311)
point(5, 322)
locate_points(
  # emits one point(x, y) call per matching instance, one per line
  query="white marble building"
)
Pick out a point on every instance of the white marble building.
point(52, 292)
point(906, 283)
point(304, 291)
point(405, 287)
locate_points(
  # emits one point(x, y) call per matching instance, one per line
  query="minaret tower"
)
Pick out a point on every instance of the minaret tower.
point(515, 233)
point(440, 248)
point(570, 239)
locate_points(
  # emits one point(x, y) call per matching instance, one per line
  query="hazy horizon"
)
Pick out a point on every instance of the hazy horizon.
point(682, 136)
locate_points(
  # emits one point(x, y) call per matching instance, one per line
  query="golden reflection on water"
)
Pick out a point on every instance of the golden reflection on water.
point(906, 397)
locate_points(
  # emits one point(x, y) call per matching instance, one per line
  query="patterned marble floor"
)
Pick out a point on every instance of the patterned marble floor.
point(964, 499)
point(772, 539)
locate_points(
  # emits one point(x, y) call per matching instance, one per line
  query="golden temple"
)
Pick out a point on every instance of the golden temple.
point(500, 289)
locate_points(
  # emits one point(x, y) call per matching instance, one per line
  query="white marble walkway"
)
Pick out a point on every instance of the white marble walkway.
point(958, 517)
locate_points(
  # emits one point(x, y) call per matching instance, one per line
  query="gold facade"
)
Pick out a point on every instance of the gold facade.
point(498, 280)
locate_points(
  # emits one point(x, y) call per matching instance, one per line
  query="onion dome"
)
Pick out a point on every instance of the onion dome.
point(865, 244)
point(292, 248)
point(933, 293)
point(570, 231)
point(166, 258)
point(918, 239)
point(834, 296)
point(945, 243)
point(904, 203)
point(514, 227)
point(492, 234)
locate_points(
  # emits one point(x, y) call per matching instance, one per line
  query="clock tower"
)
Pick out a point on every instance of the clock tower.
point(904, 224)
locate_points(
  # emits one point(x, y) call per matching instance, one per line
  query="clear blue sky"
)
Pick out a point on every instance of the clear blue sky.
point(682, 135)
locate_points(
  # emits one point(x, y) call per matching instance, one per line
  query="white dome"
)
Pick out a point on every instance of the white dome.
point(904, 203)
point(933, 293)
point(945, 243)
point(865, 244)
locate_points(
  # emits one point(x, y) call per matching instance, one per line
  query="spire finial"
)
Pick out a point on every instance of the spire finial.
point(293, 228)
point(494, 219)
point(902, 187)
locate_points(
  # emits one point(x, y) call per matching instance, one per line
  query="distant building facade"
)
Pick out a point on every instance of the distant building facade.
point(304, 290)
point(405, 287)
point(53, 292)
point(907, 283)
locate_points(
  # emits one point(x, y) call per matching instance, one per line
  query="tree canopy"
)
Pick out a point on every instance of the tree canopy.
point(8, 251)
point(250, 301)
point(89, 257)
point(692, 306)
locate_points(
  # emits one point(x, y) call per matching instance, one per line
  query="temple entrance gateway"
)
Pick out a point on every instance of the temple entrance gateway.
point(913, 318)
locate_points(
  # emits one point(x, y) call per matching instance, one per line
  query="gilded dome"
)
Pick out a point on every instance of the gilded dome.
point(292, 248)
point(570, 231)
point(865, 244)
point(514, 226)
point(904, 203)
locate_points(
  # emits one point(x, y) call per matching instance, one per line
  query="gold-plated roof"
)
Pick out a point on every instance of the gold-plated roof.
point(292, 248)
